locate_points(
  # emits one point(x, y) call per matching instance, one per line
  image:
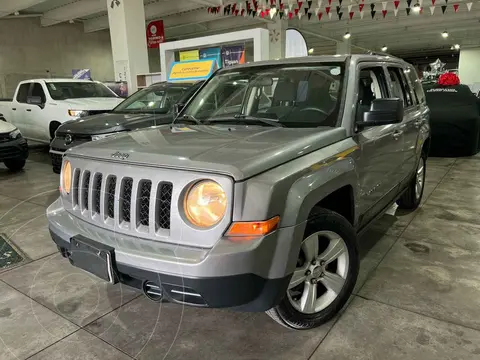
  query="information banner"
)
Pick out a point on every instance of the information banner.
point(82, 74)
point(212, 53)
point(192, 70)
point(189, 55)
point(155, 34)
point(233, 55)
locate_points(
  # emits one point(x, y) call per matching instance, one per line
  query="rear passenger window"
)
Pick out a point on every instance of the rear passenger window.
point(22, 93)
point(400, 86)
point(417, 85)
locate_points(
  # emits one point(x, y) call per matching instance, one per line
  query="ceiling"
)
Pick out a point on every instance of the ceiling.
point(407, 36)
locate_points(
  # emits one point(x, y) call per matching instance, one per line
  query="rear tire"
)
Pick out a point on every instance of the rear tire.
point(412, 197)
point(15, 164)
point(332, 281)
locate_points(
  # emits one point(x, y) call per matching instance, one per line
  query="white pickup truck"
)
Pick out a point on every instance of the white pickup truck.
point(40, 106)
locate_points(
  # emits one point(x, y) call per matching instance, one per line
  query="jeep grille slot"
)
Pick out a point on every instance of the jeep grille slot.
point(143, 202)
point(163, 205)
point(76, 185)
point(126, 199)
point(84, 190)
point(110, 190)
point(96, 193)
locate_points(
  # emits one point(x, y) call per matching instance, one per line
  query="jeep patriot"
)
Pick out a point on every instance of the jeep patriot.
point(253, 198)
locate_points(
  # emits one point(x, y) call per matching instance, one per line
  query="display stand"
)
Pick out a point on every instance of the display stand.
point(259, 36)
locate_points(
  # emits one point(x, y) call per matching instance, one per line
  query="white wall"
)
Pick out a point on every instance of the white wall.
point(469, 66)
point(28, 50)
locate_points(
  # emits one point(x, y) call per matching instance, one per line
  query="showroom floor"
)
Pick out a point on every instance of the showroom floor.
point(418, 295)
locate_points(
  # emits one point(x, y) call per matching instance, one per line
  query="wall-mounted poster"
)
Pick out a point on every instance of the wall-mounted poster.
point(189, 55)
point(155, 34)
point(233, 55)
point(194, 70)
point(212, 53)
point(82, 74)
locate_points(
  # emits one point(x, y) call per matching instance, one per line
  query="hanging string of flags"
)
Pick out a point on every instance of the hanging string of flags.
point(288, 9)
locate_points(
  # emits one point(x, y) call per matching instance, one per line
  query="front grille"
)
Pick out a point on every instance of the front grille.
point(4, 137)
point(127, 202)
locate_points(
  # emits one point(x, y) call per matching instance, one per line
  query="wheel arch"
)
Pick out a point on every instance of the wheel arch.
point(52, 127)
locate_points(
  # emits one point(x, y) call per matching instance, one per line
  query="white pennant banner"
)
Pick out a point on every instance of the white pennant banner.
point(432, 10)
point(350, 8)
point(330, 15)
point(420, 2)
point(395, 11)
point(319, 3)
point(384, 5)
point(361, 14)
point(469, 6)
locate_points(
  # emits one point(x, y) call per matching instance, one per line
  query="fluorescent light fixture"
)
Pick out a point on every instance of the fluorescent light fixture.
point(445, 34)
point(416, 8)
point(310, 51)
point(384, 48)
point(456, 46)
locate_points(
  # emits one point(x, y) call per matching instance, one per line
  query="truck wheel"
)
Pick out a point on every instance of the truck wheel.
point(15, 165)
point(411, 198)
point(325, 275)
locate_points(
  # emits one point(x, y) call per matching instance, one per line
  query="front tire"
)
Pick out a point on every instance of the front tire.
point(412, 197)
point(15, 164)
point(326, 273)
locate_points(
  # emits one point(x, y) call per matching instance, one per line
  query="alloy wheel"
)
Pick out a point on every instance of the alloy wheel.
point(321, 272)
point(420, 178)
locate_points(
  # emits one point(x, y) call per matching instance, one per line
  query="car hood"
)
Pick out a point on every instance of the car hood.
point(112, 122)
point(107, 103)
point(6, 127)
point(237, 151)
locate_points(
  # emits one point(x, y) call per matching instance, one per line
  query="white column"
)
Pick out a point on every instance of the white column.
point(344, 47)
point(126, 19)
point(468, 65)
point(278, 36)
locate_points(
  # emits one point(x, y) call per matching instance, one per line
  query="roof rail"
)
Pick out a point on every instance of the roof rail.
point(379, 53)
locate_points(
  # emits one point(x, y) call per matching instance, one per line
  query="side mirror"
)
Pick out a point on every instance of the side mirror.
point(177, 109)
point(35, 100)
point(383, 112)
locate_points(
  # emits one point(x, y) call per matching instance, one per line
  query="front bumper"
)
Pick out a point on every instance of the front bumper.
point(246, 277)
point(14, 149)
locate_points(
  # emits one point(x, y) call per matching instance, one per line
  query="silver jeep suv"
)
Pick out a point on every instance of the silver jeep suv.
point(254, 197)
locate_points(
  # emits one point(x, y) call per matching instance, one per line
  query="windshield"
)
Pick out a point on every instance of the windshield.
point(154, 99)
point(78, 90)
point(290, 96)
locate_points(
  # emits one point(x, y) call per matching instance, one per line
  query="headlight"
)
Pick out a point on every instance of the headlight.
point(15, 134)
point(102, 136)
point(66, 177)
point(205, 204)
point(77, 113)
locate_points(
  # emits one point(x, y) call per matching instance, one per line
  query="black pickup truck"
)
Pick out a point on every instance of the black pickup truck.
point(148, 107)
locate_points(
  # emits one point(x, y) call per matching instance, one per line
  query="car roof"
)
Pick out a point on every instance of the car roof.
point(59, 80)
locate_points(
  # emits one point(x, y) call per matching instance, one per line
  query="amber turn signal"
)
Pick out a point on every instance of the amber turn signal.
point(66, 177)
point(253, 228)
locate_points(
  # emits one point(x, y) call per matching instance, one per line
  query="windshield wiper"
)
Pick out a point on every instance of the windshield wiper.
point(248, 119)
point(186, 118)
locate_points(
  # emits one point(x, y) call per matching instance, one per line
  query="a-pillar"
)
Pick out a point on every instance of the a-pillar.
point(344, 47)
point(129, 43)
point(278, 38)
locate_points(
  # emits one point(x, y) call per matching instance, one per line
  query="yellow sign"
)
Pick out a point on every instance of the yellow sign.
point(189, 55)
point(192, 70)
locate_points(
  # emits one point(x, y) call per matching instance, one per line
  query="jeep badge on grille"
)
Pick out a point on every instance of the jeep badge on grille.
point(120, 156)
point(68, 139)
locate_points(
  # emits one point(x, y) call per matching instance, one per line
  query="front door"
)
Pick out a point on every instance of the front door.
point(381, 147)
point(38, 128)
point(19, 109)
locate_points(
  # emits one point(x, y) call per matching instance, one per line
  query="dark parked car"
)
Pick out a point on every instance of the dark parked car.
point(148, 107)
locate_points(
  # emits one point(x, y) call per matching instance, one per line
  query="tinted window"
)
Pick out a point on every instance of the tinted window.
point(37, 90)
point(400, 87)
point(156, 98)
point(78, 90)
point(294, 96)
point(23, 93)
point(417, 85)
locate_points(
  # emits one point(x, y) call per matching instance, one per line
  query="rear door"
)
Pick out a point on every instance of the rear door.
point(19, 109)
point(381, 146)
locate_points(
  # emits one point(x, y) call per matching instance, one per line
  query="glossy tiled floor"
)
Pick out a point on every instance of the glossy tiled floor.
point(418, 295)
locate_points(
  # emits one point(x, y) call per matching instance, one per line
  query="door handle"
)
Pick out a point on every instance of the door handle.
point(29, 109)
point(14, 109)
point(396, 134)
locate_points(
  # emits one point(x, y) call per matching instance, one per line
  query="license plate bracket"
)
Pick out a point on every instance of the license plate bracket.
point(93, 257)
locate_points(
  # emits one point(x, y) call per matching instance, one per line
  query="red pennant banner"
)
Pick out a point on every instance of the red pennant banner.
point(360, 7)
point(234, 6)
point(351, 14)
point(243, 12)
point(384, 13)
point(300, 4)
point(433, 2)
point(262, 14)
point(296, 11)
point(329, 2)
point(327, 10)
point(455, 7)
point(290, 15)
point(319, 15)
point(397, 2)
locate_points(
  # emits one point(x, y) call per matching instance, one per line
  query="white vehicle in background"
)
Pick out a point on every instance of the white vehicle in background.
point(40, 106)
